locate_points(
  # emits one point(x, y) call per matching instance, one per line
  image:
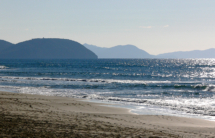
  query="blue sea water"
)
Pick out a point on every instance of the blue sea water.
point(183, 87)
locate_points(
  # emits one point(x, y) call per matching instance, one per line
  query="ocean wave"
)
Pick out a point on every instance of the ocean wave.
point(201, 106)
point(192, 106)
point(210, 88)
point(98, 80)
point(4, 67)
point(99, 83)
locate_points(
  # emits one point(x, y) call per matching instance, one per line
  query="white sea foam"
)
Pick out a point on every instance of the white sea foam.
point(100, 80)
point(3, 67)
point(198, 106)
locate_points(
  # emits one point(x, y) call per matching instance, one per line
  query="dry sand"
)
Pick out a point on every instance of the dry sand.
point(23, 115)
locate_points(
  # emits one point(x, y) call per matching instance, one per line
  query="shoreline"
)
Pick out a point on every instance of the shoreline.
point(26, 115)
point(120, 105)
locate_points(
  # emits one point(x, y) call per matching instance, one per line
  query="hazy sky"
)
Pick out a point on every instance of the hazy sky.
point(156, 26)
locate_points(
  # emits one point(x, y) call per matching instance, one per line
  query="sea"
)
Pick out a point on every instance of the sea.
point(178, 87)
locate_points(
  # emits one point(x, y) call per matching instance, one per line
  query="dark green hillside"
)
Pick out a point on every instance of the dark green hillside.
point(49, 48)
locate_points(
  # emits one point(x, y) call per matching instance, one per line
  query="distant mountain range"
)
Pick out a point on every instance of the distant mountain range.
point(131, 51)
point(54, 48)
point(48, 48)
point(120, 51)
point(4, 44)
point(209, 53)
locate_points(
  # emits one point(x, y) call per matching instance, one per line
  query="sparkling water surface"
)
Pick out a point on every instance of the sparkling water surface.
point(183, 87)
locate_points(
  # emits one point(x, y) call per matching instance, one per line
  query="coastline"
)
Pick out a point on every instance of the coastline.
point(26, 115)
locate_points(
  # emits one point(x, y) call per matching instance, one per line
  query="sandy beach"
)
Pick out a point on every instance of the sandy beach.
point(24, 115)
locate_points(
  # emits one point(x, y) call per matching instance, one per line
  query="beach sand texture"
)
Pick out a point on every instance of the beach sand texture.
point(24, 115)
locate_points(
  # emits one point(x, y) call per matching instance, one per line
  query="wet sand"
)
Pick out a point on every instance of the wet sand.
point(24, 115)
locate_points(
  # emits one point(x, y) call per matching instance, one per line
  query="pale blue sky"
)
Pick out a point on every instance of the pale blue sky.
point(156, 26)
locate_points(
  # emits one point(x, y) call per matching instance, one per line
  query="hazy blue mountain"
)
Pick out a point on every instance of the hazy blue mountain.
point(120, 51)
point(209, 53)
point(49, 48)
point(4, 44)
point(53, 48)
point(130, 51)
point(97, 50)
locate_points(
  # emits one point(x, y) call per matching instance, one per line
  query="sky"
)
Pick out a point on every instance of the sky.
point(156, 26)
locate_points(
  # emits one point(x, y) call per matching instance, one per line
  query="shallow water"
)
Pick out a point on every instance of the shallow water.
point(184, 87)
